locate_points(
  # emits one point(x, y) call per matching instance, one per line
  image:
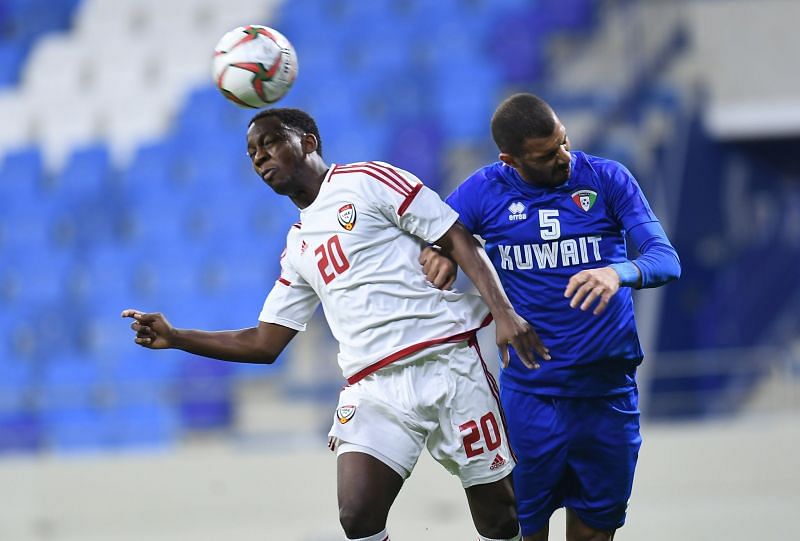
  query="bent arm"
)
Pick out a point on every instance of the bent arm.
point(658, 262)
point(511, 329)
point(459, 244)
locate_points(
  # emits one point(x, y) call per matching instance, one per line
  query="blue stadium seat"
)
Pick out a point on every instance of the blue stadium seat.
point(12, 57)
point(22, 178)
point(205, 395)
point(517, 44)
point(20, 432)
point(417, 147)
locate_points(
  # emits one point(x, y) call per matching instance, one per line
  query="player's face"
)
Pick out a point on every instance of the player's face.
point(275, 151)
point(544, 161)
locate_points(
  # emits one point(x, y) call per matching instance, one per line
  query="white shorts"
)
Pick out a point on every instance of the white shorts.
point(446, 400)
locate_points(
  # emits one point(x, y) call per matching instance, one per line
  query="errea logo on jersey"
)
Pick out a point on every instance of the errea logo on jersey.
point(517, 212)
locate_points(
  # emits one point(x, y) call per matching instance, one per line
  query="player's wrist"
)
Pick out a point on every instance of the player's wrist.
point(628, 273)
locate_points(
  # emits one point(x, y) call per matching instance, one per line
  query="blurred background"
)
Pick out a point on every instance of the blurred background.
point(124, 183)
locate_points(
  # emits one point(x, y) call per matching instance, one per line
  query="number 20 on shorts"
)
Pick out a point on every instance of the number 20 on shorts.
point(485, 429)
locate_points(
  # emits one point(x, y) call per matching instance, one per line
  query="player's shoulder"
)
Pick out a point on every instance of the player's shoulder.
point(601, 168)
point(294, 229)
point(373, 171)
point(487, 178)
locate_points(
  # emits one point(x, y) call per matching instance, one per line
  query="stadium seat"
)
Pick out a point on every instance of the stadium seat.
point(204, 395)
point(12, 58)
point(20, 432)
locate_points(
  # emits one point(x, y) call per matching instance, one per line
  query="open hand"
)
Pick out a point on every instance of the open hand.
point(153, 331)
point(592, 285)
point(515, 331)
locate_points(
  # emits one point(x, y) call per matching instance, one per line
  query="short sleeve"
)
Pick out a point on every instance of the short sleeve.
point(465, 204)
point(404, 200)
point(292, 301)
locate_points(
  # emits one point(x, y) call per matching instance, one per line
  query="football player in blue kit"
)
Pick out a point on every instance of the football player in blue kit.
point(555, 223)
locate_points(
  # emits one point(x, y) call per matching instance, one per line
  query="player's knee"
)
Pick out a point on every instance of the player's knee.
point(359, 520)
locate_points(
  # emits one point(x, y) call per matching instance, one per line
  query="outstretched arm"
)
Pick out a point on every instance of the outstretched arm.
point(512, 330)
point(261, 344)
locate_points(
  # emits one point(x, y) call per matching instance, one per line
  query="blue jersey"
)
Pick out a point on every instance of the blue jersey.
point(537, 238)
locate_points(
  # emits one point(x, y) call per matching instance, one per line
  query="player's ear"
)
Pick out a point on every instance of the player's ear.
point(310, 143)
point(508, 159)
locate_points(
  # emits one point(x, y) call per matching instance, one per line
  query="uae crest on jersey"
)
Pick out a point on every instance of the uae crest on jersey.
point(347, 216)
point(584, 199)
point(345, 413)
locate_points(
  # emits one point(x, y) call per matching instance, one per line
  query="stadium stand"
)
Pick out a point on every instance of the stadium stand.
point(123, 182)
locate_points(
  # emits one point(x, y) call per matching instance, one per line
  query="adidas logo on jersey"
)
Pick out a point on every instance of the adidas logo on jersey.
point(517, 212)
point(498, 462)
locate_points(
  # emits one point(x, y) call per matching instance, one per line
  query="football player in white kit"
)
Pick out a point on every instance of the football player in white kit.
point(407, 349)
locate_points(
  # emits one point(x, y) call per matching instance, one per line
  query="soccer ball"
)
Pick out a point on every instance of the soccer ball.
point(254, 65)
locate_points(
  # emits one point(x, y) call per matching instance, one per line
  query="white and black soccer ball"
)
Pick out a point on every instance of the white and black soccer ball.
point(254, 65)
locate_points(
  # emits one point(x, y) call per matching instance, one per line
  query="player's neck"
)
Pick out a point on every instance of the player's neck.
point(309, 184)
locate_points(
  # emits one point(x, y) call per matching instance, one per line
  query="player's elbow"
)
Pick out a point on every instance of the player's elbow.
point(674, 271)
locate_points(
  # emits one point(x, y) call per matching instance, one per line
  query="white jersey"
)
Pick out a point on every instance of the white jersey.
point(356, 249)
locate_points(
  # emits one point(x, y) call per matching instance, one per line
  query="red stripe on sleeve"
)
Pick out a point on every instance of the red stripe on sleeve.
point(409, 199)
point(284, 281)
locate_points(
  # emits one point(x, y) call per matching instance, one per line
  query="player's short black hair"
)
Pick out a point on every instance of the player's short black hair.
point(293, 118)
point(520, 117)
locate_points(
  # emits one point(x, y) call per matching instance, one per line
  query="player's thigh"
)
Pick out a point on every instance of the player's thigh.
point(604, 449)
point(466, 424)
point(370, 416)
point(365, 485)
point(539, 440)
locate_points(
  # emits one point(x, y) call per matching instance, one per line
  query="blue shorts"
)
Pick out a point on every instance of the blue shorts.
point(578, 453)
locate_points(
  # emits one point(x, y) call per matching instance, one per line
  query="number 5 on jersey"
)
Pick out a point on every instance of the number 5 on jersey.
point(331, 260)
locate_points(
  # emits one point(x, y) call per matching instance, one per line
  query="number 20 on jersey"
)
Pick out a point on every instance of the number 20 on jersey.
point(331, 260)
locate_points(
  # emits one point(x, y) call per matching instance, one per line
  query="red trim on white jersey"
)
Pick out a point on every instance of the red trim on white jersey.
point(385, 175)
point(284, 281)
point(405, 352)
point(298, 225)
point(473, 342)
point(404, 207)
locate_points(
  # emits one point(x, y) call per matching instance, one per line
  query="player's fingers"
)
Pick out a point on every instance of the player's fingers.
point(541, 349)
point(439, 278)
point(601, 306)
point(144, 341)
point(504, 354)
point(523, 349)
point(129, 312)
point(144, 332)
point(425, 256)
point(590, 298)
point(582, 291)
point(574, 283)
point(449, 284)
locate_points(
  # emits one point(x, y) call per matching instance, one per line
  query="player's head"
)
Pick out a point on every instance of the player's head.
point(532, 140)
point(279, 143)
